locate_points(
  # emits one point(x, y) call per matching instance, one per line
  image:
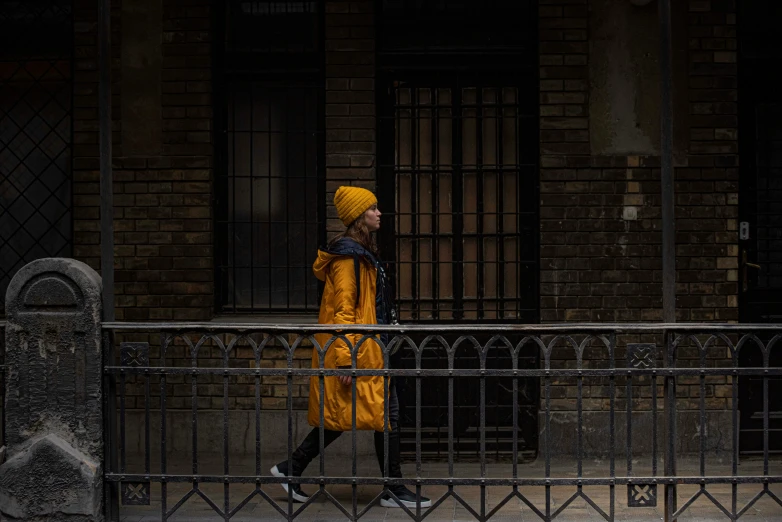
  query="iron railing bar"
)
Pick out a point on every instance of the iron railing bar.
point(122, 441)
point(418, 414)
point(654, 422)
point(629, 418)
point(515, 406)
point(147, 429)
point(612, 423)
point(451, 418)
point(194, 409)
point(702, 412)
point(226, 465)
point(321, 415)
point(577, 328)
point(179, 504)
point(592, 372)
point(455, 481)
point(386, 412)
point(257, 356)
point(111, 492)
point(224, 514)
point(289, 407)
point(353, 431)
point(580, 416)
point(163, 467)
point(765, 419)
point(734, 435)
point(749, 504)
point(675, 515)
point(564, 505)
point(547, 436)
point(670, 411)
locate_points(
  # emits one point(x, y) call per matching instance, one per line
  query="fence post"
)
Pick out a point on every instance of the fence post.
point(671, 440)
point(54, 432)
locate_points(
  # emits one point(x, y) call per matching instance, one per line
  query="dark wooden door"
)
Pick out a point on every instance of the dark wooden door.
point(458, 176)
point(760, 201)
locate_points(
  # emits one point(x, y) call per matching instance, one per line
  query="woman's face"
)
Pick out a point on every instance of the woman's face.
point(372, 218)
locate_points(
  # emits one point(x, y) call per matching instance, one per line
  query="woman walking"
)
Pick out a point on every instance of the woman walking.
point(356, 292)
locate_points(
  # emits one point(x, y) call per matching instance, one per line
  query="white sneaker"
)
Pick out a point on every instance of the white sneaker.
point(297, 493)
point(406, 497)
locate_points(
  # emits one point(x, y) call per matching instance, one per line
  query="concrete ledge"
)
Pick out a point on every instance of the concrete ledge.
point(241, 433)
point(596, 432)
point(274, 434)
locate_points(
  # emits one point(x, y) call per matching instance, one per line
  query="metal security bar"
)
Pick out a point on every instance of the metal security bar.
point(466, 199)
point(270, 176)
point(36, 46)
point(640, 385)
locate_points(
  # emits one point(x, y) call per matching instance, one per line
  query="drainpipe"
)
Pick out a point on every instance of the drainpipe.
point(666, 153)
point(106, 174)
point(669, 244)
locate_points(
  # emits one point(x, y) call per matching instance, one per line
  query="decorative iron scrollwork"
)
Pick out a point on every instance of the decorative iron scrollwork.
point(134, 354)
point(135, 493)
point(641, 356)
point(641, 495)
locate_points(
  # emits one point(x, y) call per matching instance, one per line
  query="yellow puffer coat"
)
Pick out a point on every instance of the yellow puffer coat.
point(339, 307)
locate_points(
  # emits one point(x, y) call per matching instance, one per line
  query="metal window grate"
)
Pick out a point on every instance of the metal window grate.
point(35, 133)
point(465, 185)
point(270, 178)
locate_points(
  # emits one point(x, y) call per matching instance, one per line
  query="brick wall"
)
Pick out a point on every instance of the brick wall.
point(350, 100)
point(163, 214)
point(600, 215)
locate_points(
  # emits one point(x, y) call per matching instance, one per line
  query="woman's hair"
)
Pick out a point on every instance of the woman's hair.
point(358, 232)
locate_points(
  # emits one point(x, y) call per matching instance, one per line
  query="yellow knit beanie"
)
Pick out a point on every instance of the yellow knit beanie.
point(351, 202)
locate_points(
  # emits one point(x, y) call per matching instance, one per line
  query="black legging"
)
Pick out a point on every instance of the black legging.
point(310, 446)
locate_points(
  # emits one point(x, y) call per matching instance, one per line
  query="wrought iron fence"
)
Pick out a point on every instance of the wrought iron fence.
point(641, 372)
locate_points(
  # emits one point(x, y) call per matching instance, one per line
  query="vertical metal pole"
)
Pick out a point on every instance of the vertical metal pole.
point(670, 426)
point(669, 245)
point(110, 489)
point(106, 175)
point(107, 241)
point(666, 163)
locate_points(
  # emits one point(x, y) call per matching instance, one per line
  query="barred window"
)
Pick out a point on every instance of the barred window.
point(270, 200)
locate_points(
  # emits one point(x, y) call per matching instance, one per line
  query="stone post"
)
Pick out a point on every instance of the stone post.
point(54, 426)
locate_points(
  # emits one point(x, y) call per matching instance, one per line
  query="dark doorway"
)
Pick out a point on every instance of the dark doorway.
point(760, 201)
point(458, 177)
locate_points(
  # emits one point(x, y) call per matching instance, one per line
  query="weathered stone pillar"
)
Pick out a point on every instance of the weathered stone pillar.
point(54, 426)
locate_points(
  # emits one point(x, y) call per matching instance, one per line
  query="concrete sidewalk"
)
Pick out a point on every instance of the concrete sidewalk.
point(196, 509)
